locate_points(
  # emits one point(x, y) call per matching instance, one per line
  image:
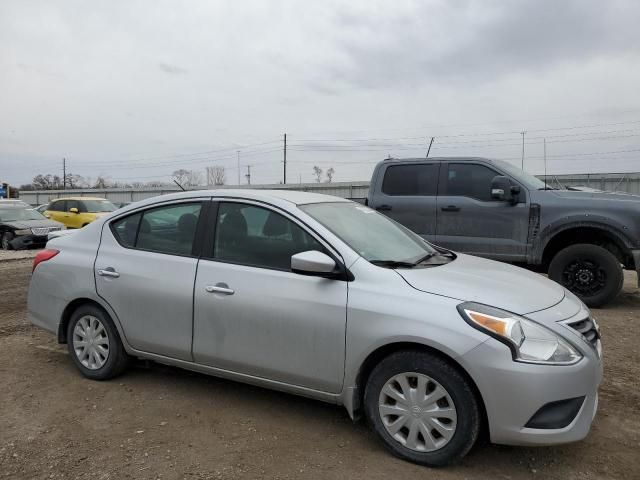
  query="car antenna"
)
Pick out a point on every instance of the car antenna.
point(181, 187)
point(429, 149)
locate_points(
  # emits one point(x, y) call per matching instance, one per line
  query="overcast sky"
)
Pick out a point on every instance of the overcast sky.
point(136, 89)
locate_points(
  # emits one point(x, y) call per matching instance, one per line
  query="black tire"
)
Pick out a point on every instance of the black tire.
point(456, 386)
point(117, 359)
point(5, 238)
point(591, 272)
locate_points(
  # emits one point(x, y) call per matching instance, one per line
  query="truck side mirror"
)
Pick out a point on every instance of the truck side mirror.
point(501, 189)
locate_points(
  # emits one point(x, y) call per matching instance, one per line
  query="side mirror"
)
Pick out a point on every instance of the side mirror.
point(502, 190)
point(73, 210)
point(312, 262)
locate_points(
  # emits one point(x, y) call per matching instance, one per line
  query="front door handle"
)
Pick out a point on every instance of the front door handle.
point(384, 208)
point(108, 272)
point(220, 288)
point(450, 208)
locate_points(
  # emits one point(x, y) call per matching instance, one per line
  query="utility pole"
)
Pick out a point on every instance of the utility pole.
point(284, 180)
point(248, 175)
point(238, 152)
point(429, 149)
point(545, 162)
point(522, 133)
point(64, 173)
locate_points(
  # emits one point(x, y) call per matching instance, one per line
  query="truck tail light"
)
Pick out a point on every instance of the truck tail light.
point(43, 256)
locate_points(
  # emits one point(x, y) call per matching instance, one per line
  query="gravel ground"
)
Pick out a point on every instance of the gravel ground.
point(6, 255)
point(159, 422)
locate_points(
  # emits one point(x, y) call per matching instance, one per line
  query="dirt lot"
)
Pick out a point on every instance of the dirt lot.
point(158, 422)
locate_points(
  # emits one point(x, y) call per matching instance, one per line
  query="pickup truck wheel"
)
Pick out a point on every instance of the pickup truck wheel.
point(591, 272)
point(422, 408)
point(94, 344)
point(6, 239)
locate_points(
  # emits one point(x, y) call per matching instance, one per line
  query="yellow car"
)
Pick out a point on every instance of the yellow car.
point(76, 212)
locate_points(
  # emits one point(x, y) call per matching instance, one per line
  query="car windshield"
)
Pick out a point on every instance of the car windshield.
point(372, 235)
point(16, 214)
point(96, 206)
point(521, 176)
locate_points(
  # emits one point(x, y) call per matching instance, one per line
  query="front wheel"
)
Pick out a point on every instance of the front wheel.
point(591, 272)
point(94, 344)
point(422, 408)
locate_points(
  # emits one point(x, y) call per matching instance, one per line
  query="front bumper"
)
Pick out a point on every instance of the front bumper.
point(513, 392)
point(28, 241)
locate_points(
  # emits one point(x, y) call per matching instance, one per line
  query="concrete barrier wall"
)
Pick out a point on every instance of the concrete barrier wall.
point(623, 182)
point(338, 189)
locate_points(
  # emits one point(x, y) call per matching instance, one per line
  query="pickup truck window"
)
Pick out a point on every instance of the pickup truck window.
point(469, 180)
point(411, 180)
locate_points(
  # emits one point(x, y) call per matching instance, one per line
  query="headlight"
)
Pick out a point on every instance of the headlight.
point(529, 342)
point(26, 231)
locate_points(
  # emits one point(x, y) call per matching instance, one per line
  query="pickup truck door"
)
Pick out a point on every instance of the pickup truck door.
point(470, 221)
point(407, 192)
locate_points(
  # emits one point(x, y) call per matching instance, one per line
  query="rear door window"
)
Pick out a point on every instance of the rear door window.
point(411, 180)
point(168, 229)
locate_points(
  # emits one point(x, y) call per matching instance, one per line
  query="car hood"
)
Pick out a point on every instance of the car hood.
point(19, 224)
point(604, 196)
point(489, 282)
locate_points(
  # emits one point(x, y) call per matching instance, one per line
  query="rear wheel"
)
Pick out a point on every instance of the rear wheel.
point(5, 242)
point(423, 408)
point(94, 344)
point(591, 272)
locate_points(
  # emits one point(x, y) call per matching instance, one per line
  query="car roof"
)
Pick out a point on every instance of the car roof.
point(78, 198)
point(292, 196)
point(283, 198)
point(438, 159)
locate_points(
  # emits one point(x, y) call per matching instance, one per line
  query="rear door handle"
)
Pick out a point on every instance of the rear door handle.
point(450, 208)
point(108, 272)
point(220, 288)
point(383, 208)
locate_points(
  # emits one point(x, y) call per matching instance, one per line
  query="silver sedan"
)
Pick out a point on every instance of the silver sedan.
point(326, 298)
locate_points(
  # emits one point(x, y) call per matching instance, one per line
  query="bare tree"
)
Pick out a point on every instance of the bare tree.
point(216, 175)
point(102, 182)
point(181, 176)
point(317, 171)
point(194, 178)
point(76, 181)
point(330, 173)
point(187, 178)
point(47, 182)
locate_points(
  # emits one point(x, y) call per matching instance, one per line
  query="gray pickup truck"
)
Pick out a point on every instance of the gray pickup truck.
point(492, 209)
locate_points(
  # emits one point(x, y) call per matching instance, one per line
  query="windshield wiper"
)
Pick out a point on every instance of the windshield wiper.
point(425, 258)
point(392, 263)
